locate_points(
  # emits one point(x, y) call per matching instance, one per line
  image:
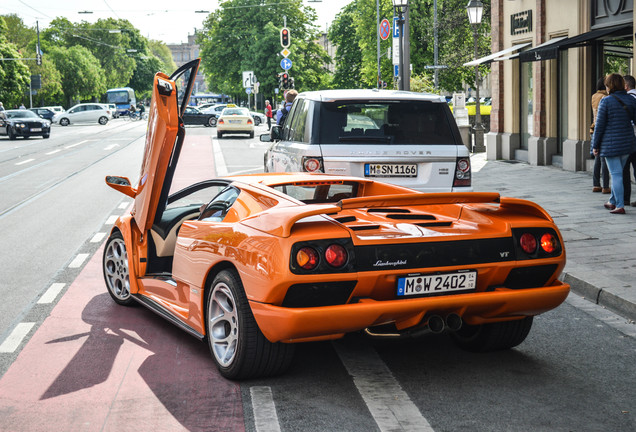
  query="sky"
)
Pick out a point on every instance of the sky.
point(162, 20)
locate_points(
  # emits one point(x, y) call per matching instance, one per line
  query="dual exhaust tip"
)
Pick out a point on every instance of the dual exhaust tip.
point(437, 324)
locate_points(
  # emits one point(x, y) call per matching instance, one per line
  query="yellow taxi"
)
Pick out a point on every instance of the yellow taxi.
point(234, 119)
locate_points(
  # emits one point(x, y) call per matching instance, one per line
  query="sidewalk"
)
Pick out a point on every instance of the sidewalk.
point(600, 247)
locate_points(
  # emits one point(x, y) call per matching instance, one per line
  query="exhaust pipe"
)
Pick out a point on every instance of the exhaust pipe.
point(454, 322)
point(436, 324)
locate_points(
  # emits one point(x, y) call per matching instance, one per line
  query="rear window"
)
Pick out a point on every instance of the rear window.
point(385, 122)
point(319, 192)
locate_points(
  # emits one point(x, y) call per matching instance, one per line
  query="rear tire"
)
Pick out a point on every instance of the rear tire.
point(493, 336)
point(212, 121)
point(102, 120)
point(257, 121)
point(116, 272)
point(219, 135)
point(238, 347)
point(64, 122)
point(251, 134)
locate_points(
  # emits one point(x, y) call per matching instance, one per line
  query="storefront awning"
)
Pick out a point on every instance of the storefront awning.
point(492, 57)
point(550, 49)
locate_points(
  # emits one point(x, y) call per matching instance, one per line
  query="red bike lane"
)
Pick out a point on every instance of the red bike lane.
point(95, 366)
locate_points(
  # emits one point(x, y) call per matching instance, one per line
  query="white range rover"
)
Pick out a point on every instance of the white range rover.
point(405, 138)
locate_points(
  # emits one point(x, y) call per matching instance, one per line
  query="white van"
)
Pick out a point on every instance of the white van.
point(404, 138)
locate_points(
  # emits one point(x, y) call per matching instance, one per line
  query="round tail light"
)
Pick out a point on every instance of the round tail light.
point(307, 258)
point(548, 243)
point(528, 243)
point(336, 255)
point(311, 165)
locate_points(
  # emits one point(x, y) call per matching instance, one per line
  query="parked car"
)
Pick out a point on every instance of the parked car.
point(409, 139)
point(56, 108)
point(113, 110)
point(235, 120)
point(85, 113)
point(255, 263)
point(23, 123)
point(214, 108)
point(258, 118)
point(44, 113)
point(194, 116)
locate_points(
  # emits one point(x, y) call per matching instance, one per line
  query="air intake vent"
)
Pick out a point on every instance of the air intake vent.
point(346, 219)
point(364, 227)
point(411, 216)
point(388, 210)
point(434, 224)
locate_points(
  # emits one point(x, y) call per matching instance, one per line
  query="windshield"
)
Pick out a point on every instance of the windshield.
point(118, 97)
point(21, 114)
point(385, 122)
point(235, 111)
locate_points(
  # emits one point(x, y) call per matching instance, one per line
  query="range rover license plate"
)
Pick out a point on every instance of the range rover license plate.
point(437, 283)
point(390, 170)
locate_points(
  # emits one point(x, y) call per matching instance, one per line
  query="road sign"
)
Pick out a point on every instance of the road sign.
point(285, 52)
point(286, 64)
point(248, 90)
point(385, 29)
point(248, 79)
point(396, 28)
point(436, 67)
point(396, 41)
point(396, 70)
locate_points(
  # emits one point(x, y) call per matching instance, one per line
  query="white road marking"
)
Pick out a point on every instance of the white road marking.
point(51, 293)
point(13, 341)
point(219, 160)
point(124, 205)
point(111, 220)
point(389, 405)
point(78, 261)
point(110, 147)
point(76, 144)
point(265, 417)
point(98, 237)
point(25, 161)
point(53, 152)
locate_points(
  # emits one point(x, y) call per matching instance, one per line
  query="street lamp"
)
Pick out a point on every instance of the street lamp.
point(400, 7)
point(475, 11)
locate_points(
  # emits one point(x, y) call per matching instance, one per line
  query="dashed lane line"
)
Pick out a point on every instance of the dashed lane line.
point(76, 144)
point(50, 294)
point(53, 152)
point(25, 161)
point(78, 261)
point(13, 341)
point(265, 417)
point(390, 406)
point(98, 237)
point(111, 220)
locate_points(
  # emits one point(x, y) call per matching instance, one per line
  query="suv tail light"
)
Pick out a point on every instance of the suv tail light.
point(462, 172)
point(312, 164)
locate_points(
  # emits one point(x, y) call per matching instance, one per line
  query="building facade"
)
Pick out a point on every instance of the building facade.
point(548, 56)
point(183, 53)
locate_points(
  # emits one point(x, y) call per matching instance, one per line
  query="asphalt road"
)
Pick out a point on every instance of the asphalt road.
point(573, 373)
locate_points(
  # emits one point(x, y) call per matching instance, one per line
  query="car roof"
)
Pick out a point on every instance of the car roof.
point(273, 179)
point(369, 94)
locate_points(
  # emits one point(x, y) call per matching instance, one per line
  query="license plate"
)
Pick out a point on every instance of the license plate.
point(390, 170)
point(437, 283)
point(36, 129)
point(236, 121)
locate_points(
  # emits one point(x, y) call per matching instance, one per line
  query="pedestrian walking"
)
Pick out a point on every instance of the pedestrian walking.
point(268, 114)
point(600, 165)
point(630, 165)
point(614, 137)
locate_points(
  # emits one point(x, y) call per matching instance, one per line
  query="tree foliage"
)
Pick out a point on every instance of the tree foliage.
point(80, 73)
point(243, 35)
point(14, 74)
point(348, 62)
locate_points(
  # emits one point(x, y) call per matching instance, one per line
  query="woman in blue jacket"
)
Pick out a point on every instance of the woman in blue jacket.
point(614, 136)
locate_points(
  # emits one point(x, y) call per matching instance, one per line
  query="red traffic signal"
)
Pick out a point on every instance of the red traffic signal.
point(285, 79)
point(284, 37)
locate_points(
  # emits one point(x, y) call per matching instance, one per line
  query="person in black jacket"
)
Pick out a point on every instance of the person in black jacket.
point(614, 137)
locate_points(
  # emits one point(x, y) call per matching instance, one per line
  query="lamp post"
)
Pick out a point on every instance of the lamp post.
point(400, 7)
point(475, 11)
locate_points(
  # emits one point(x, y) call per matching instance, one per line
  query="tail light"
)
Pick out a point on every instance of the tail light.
point(462, 172)
point(534, 243)
point(221, 121)
point(312, 164)
point(249, 121)
point(336, 255)
point(307, 258)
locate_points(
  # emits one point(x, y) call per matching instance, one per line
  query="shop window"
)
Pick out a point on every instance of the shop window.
point(526, 97)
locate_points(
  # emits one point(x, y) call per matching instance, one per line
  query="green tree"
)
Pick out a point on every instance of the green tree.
point(142, 79)
point(19, 34)
point(348, 64)
point(243, 35)
point(82, 77)
point(14, 74)
point(51, 91)
point(163, 53)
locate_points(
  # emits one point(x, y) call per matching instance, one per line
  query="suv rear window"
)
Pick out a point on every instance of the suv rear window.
point(390, 122)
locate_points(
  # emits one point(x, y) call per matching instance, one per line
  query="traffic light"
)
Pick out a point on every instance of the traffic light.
point(284, 37)
point(38, 59)
point(285, 79)
point(291, 82)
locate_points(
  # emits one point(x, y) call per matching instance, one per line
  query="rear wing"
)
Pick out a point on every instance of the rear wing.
point(279, 221)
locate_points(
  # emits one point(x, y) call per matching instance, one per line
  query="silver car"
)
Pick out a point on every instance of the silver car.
point(404, 138)
point(85, 113)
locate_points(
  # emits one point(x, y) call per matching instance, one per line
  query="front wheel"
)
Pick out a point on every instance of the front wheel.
point(257, 121)
point(494, 336)
point(239, 348)
point(103, 120)
point(116, 273)
point(45, 136)
point(10, 133)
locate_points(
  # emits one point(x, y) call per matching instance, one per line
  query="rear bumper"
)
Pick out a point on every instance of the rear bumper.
point(297, 324)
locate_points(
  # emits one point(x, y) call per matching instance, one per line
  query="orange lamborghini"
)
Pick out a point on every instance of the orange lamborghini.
point(253, 264)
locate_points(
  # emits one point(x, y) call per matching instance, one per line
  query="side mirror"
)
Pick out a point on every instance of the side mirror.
point(121, 184)
point(265, 138)
point(277, 133)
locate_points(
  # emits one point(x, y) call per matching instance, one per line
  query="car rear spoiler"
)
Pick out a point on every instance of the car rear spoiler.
point(279, 221)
